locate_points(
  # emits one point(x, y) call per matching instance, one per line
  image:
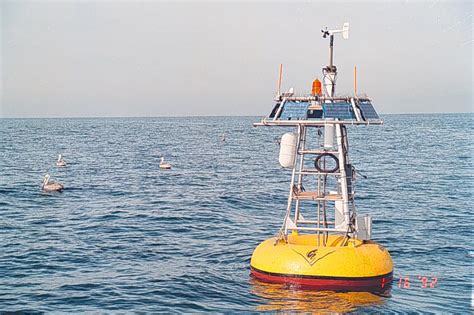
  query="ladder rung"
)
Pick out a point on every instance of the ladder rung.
point(316, 172)
point(318, 229)
point(313, 222)
point(316, 152)
point(313, 195)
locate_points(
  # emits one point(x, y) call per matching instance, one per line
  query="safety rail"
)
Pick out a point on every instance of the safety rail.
point(319, 98)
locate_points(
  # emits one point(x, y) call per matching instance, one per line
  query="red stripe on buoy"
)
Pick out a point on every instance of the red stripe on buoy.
point(370, 284)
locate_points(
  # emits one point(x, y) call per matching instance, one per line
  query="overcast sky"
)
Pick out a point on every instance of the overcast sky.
point(107, 58)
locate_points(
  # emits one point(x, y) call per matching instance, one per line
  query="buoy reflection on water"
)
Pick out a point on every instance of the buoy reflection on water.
point(287, 298)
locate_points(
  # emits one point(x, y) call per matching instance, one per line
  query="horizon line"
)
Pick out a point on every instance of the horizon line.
point(205, 116)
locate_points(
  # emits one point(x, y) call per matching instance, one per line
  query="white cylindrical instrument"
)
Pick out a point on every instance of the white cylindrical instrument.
point(288, 149)
point(328, 136)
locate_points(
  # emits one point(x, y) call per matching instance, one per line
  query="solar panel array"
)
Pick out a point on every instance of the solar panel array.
point(341, 110)
point(294, 110)
point(368, 110)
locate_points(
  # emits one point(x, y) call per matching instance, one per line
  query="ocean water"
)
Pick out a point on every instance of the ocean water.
point(125, 236)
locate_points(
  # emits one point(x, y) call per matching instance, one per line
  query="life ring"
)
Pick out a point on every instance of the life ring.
point(319, 167)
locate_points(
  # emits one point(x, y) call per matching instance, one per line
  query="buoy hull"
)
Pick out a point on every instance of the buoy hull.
point(336, 266)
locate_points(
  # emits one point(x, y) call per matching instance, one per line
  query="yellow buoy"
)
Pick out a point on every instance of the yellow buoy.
point(338, 253)
point(343, 264)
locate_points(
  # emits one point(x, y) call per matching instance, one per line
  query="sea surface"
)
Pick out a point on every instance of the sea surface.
point(125, 236)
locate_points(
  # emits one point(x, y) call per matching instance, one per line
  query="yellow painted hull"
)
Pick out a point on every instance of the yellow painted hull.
point(340, 265)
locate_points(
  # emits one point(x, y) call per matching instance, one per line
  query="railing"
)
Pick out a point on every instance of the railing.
point(318, 98)
point(315, 123)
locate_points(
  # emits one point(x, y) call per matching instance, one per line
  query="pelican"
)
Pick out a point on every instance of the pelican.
point(60, 162)
point(223, 137)
point(47, 186)
point(164, 165)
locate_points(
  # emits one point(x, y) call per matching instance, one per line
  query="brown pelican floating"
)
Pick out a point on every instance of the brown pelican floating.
point(164, 165)
point(60, 162)
point(50, 186)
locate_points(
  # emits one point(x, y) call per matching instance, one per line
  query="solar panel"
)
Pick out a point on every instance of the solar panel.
point(368, 110)
point(341, 110)
point(294, 110)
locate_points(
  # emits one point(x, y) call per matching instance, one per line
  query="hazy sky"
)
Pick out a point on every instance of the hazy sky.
point(111, 58)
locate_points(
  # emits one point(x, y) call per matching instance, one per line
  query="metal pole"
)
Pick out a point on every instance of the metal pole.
point(331, 45)
point(342, 170)
point(355, 81)
point(324, 204)
point(280, 72)
point(319, 206)
point(301, 141)
point(292, 183)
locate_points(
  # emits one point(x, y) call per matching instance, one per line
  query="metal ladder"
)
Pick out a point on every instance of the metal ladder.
point(322, 196)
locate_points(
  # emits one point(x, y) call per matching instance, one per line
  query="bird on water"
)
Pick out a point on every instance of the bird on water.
point(50, 186)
